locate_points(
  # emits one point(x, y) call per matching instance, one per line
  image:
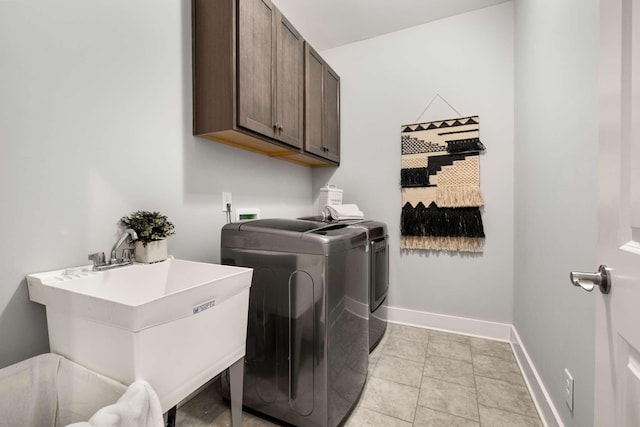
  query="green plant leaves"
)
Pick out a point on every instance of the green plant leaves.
point(149, 226)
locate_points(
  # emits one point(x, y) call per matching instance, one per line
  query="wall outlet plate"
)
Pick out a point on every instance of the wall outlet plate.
point(568, 389)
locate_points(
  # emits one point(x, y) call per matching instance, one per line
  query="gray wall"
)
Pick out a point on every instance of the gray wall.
point(95, 122)
point(387, 81)
point(555, 192)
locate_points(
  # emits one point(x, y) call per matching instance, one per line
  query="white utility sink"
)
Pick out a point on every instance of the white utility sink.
point(175, 324)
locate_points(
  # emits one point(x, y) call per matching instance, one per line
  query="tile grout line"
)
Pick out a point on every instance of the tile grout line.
point(396, 382)
point(450, 414)
point(512, 412)
point(426, 352)
point(475, 385)
point(501, 380)
point(450, 382)
point(387, 415)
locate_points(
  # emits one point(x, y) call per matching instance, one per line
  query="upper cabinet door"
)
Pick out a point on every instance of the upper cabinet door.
point(332, 115)
point(289, 83)
point(252, 89)
point(256, 65)
point(314, 102)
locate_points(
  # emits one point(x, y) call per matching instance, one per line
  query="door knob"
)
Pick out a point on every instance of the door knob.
point(588, 281)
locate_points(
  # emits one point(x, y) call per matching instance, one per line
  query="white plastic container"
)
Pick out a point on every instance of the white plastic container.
point(329, 195)
point(49, 390)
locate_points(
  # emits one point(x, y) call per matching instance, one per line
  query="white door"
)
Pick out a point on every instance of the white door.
point(617, 370)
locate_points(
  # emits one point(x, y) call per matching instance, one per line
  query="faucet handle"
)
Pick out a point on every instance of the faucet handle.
point(97, 258)
point(127, 254)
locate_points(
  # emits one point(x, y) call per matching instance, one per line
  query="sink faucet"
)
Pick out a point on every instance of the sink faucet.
point(128, 232)
point(99, 262)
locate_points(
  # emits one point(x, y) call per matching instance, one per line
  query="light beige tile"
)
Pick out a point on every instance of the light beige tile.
point(506, 396)
point(409, 333)
point(399, 370)
point(449, 349)
point(426, 417)
point(499, 369)
point(365, 417)
point(378, 350)
point(206, 408)
point(389, 398)
point(249, 420)
point(450, 370)
point(219, 419)
point(492, 417)
point(372, 365)
point(447, 397)
point(410, 350)
point(501, 350)
point(375, 354)
point(448, 336)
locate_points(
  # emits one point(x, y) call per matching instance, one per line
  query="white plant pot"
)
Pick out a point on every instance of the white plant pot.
point(154, 252)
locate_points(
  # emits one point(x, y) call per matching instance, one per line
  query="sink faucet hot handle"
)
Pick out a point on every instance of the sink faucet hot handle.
point(127, 254)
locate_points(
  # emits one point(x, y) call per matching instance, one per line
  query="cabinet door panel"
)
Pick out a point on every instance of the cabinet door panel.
point(256, 33)
point(314, 102)
point(289, 86)
point(332, 114)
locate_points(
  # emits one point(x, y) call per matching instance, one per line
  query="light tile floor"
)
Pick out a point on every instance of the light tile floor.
point(417, 377)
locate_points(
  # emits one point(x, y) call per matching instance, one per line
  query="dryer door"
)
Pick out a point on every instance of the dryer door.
point(379, 272)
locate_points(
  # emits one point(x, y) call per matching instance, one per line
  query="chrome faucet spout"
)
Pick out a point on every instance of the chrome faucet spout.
point(128, 232)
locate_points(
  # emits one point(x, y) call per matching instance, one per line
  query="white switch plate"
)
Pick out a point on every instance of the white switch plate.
point(568, 389)
point(226, 198)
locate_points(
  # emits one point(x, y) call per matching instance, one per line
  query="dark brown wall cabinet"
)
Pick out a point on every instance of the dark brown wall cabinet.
point(322, 107)
point(249, 82)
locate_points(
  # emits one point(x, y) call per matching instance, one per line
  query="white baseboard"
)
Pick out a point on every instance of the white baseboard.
point(460, 325)
point(542, 400)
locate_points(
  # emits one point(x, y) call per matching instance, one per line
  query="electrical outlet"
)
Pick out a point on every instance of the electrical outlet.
point(226, 198)
point(568, 389)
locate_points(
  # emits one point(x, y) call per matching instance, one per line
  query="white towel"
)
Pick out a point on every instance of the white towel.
point(139, 406)
point(338, 212)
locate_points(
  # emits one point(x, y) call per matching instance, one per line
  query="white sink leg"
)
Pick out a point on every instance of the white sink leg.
point(236, 378)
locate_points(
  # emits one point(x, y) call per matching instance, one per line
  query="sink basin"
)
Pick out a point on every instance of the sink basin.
point(175, 324)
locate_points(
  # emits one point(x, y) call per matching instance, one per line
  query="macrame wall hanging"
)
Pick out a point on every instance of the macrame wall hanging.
point(440, 181)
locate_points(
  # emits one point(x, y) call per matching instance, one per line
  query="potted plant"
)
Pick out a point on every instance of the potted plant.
point(152, 228)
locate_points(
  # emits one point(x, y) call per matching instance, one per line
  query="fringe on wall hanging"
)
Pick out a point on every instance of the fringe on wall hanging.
point(440, 179)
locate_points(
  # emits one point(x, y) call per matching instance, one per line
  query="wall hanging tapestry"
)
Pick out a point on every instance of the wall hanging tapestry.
point(440, 181)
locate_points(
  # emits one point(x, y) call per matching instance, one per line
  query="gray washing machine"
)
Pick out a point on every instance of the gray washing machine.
point(378, 273)
point(307, 337)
